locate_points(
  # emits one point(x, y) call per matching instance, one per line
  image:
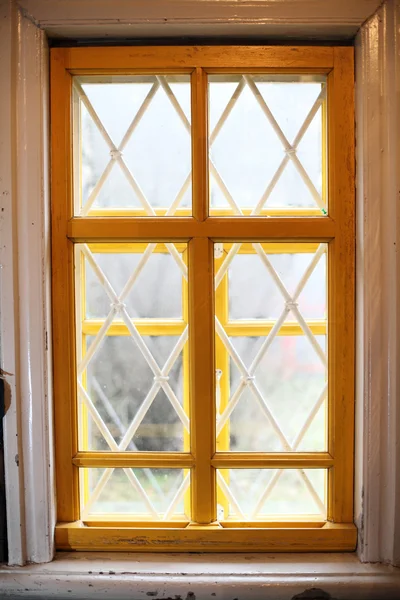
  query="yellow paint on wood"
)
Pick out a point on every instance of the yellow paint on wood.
point(279, 231)
point(63, 325)
point(133, 59)
point(329, 538)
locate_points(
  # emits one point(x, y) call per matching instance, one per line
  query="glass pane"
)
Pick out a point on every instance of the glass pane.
point(132, 144)
point(159, 279)
point(257, 494)
point(148, 493)
point(267, 144)
point(271, 347)
point(131, 355)
point(253, 293)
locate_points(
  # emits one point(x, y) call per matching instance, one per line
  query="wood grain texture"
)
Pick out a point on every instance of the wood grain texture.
point(331, 537)
point(99, 229)
point(272, 460)
point(341, 277)
point(202, 378)
point(163, 460)
point(200, 231)
point(183, 57)
point(199, 90)
point(64, 374)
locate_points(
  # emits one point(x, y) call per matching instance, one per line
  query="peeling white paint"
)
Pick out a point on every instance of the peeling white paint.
point(25, 281)
point(329, 19)
point(197, 577)
point(378, 287)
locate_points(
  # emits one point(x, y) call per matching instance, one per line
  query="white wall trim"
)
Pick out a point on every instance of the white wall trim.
point(48, 13)
point(144, 18)
point(34, 279)
point(25, 293)
point(378, 286)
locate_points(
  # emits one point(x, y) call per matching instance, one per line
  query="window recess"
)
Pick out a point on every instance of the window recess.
point(203, 298)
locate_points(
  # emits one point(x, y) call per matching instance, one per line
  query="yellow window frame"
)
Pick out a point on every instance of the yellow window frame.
point(200, 231)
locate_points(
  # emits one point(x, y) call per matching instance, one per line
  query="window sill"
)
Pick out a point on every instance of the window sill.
point(331, 537)
point(119, 576)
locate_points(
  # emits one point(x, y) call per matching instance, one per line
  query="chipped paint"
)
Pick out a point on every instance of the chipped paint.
point(313, 594)
point(128, 576)
point(310, 19)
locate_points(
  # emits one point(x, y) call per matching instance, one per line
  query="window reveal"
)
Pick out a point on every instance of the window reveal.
point(207, 308)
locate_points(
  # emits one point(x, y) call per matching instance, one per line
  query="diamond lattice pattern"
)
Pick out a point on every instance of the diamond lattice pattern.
point(155, 494)
point(256, 494)
point(132, 144)
point(266, 144)
point(271, 397)
point(132, 151)
point(130, 385)
point(275, 390)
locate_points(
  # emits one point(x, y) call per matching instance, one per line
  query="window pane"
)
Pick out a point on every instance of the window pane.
point(132, 357)
point(267, 144)
point(257, 494)
point(132, 144)
point(154, 494)
point(271, 347)
point(160, 279)
point(253, 293)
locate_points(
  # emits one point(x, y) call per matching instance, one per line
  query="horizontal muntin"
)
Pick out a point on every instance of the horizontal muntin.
point(272, 460)
point(174, 327)
point(220, 460)
point(162, 460)
point(92, 229)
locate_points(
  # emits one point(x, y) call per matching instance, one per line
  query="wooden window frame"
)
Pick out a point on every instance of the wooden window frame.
point(200, 230)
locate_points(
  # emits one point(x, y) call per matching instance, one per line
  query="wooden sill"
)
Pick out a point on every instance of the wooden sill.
point(331, 537)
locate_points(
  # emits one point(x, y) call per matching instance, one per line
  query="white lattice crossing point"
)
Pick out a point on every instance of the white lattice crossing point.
point(161, 380)
point(248, 376)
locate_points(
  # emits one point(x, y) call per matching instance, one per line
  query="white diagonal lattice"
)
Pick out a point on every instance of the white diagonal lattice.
point(116, 154)
point(290, 305)
point(289, 155)
point(261, 498)
point(226, 490)
point(113, 415)
point(161, 82)
point(114, 447)
point(180, 492)
point(160, 375)
point(117, 302)
point(248, 375)
point(266, 493)
point(117, 306)
point(289, 149)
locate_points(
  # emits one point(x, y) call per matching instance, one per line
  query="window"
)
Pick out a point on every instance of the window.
point(203, 293)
